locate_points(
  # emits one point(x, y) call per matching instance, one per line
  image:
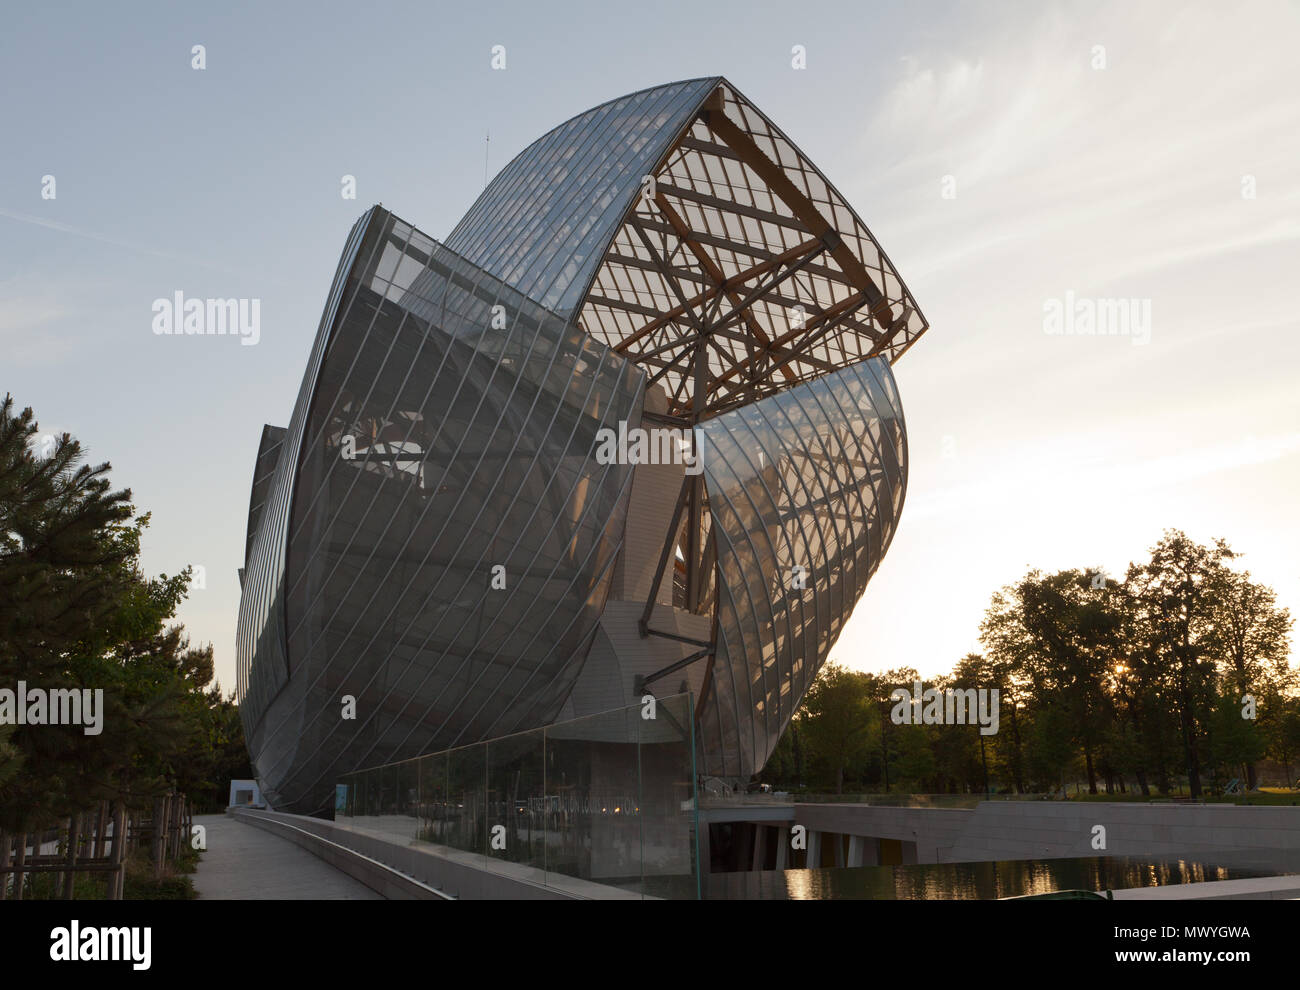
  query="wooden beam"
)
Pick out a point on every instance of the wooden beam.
point(801, 206)
point(706, 261)
point(726, 206)
point(736, 281)
point(843, 306)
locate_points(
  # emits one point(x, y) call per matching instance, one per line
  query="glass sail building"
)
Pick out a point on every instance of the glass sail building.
point(437, 552)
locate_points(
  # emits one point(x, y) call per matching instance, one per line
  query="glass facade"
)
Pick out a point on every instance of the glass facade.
point(805, 489)
point(443, 540)
point(438, 561)
point(609, 799)
point(262, 664)
point(268, 456)
point(543, 223)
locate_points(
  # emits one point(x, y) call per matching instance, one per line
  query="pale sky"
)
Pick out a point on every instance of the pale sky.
point(997, 164)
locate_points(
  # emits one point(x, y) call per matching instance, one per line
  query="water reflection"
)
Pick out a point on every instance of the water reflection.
point(968, 881)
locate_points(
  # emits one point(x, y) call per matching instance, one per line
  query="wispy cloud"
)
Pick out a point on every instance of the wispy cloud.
point(1053, 159)
point(91, 235)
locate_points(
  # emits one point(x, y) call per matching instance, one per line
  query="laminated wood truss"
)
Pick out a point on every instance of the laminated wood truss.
point(741, 271)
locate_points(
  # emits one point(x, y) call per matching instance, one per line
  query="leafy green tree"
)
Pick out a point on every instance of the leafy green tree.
point(1250, 643)
point(1139, 680)
point(882, 688)
point(64, 553)
point(916, 765)
point(1051, 749)
point(1059, 635)
point(961, 751)
point(77, 612)
point(1234, 742)
point(1284, 739)
point(1175, 595)
point(837, 719)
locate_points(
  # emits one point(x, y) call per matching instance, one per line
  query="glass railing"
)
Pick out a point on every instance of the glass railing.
point(608, 799)
point(722, 799)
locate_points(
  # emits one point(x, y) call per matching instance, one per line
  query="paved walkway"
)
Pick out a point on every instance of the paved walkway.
point(244, 862)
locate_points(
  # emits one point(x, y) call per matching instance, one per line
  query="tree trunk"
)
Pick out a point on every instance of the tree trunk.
point(116, 879)
point(1015, 740)
point(1193, 759)
point(101, 823)
point(178, 826)
point(20, 860)
point(74, 840)
point(156, 837)
point(169, 826)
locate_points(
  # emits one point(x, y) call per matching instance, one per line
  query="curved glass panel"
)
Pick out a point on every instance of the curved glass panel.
point(542, 225)
point(268, 456)
point(452, 536)
point(805, 489)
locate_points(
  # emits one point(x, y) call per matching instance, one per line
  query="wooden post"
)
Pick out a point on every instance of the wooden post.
point(155, 838)
point(178, 814)
point(187, 827)
point(130, 834)
point(165, 827)
point(20, 861)
point(173, 825)
point(70, 857)
point(122, 825)
point(101, 823)
point(56, 878)
point(86, 839)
